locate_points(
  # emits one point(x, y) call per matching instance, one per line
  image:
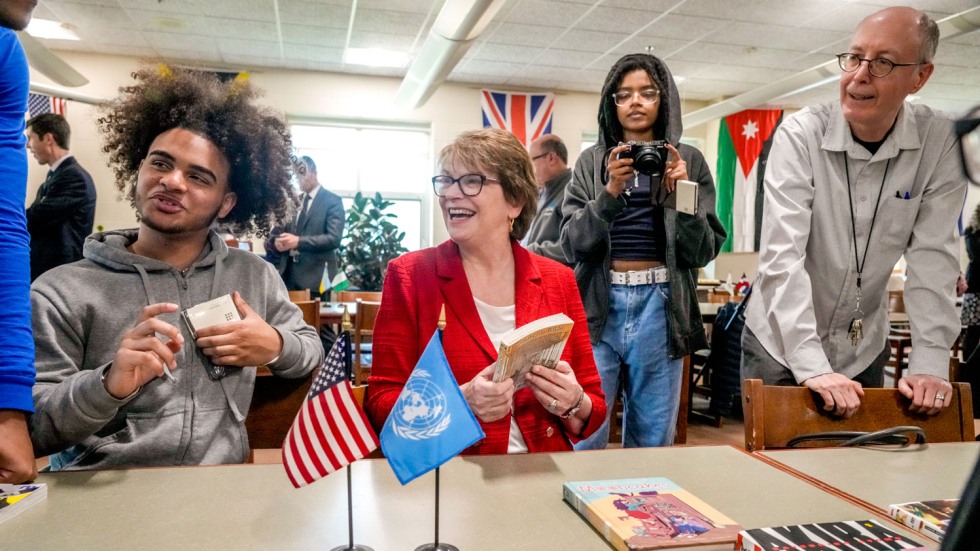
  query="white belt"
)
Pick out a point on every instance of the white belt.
point(640, 277)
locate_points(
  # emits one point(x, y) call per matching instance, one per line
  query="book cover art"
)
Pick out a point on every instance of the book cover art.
point(929, 517)
point(540, 342)
point(648, 513)
point(846, 535)
point(16, 498)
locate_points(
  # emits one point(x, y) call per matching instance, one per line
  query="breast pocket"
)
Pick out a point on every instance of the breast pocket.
point(899, 221)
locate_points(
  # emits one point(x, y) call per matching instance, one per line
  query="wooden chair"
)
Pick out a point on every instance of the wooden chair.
point(274, 405)
point(367, 312)
point(776, 414)
point(296, 296)
point(899, 338)
point(352, 296)
point(311, 312)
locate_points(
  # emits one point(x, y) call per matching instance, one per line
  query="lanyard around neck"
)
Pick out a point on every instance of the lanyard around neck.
point(859, 264)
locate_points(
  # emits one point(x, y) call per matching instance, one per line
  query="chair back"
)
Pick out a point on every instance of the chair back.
point(352, 296)
point(896, 301)
point(275, 403)
point(774, 415)
point(302, 294)
point(367, 313)
point(311, 312)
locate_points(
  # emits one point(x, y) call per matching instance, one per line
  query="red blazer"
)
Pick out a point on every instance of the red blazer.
point(419, 283)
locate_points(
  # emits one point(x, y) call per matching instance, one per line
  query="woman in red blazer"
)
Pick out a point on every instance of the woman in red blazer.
point(489, 285)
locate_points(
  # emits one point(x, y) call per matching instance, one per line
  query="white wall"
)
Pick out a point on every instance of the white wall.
point(452, 109)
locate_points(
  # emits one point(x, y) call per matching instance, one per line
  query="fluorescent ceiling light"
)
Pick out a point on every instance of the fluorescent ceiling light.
point(375, 57)
point(679, 79)
point(45, 28)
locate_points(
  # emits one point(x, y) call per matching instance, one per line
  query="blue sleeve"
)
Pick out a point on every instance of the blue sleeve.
point(16, 340)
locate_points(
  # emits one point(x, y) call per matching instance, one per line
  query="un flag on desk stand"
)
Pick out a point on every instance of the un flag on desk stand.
point(431, 421)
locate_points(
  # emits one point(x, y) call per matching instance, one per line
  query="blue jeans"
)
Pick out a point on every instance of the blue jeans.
point(633, 356)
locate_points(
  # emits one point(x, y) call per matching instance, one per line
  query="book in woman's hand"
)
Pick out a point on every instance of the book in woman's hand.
point(540, 342)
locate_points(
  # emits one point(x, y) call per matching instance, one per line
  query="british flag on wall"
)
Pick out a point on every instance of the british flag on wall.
point(527, 116)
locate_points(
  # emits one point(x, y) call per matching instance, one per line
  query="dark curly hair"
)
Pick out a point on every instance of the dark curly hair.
point(254, 139)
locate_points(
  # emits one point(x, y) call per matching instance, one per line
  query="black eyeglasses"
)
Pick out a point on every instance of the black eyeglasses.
point(647, 96)
point(878, 67)
point(536, 157)
point(469, 184)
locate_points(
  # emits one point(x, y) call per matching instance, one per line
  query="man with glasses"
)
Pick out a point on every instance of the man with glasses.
point(550, 159)
point(850, 188)
point(310, 242)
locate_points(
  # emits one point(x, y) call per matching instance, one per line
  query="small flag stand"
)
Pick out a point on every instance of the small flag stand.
point(436, 546)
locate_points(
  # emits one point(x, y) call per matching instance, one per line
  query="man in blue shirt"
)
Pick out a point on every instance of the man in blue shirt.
point(17, 370)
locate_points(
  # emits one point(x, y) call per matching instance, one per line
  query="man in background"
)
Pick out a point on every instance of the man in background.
point(851, 186)
point(16, 340)
point(63, 212)
point(549, 156)
point(311, 240)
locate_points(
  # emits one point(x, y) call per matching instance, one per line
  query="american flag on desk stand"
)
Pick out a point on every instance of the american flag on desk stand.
point(526, 116)
point(39, 104)
point(330, 431)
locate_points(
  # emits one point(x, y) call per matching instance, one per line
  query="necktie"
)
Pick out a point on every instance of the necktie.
point(302, 212)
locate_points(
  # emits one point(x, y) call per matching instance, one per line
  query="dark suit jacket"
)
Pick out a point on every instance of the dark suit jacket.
point(417, 284)
point(61, 217)
point(319, 236)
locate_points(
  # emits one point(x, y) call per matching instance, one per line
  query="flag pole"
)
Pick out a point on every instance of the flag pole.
point(438, 546)
point(345, 326)
point(350, 520)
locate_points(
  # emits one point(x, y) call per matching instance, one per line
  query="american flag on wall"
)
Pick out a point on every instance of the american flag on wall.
point(39, 104)
point(330, 431)
point(527, 116)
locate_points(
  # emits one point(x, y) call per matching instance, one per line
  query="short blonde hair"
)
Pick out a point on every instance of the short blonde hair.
point(500, 151)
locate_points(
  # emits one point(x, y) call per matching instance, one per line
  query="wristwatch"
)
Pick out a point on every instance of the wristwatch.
point(578, 405)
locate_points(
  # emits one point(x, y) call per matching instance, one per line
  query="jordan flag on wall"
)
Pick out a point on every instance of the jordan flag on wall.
point(740, 143)
point(527, 116)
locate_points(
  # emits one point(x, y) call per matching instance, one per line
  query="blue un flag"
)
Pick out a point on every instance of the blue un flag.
point(431, 421)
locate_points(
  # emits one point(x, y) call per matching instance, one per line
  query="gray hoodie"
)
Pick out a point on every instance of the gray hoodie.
point(80, 312)
point(588, 211)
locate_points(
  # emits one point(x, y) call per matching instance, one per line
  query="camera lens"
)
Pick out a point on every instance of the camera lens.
point(648, 160)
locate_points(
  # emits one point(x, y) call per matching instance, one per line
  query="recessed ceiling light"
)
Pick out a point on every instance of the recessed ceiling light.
point(375, 57)
point(45, 28)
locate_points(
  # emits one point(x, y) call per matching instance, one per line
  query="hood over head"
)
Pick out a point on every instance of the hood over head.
point(668, 126)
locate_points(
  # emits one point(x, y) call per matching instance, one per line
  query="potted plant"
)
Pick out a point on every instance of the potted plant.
point(371, 241)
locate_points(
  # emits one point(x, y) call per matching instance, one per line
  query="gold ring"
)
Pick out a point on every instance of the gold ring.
point(553, 405)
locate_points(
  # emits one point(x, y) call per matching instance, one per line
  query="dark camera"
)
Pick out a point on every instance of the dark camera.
point(649, 158)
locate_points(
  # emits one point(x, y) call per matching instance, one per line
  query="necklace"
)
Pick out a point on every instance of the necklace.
point(636, 183)
point(856, 329)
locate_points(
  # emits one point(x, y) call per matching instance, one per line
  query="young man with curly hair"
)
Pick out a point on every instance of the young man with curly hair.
point(187, 150)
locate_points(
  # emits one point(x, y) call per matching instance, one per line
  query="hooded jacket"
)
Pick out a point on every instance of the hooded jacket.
point(588, 211)
point(80, 312)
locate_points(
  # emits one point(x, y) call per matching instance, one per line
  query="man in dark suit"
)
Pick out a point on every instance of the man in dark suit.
point(312, 238)
point(63, 212)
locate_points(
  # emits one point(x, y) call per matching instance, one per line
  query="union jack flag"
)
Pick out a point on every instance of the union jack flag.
point(527, 116)
point(38, 104)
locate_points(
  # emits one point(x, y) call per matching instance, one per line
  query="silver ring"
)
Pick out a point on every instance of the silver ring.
point(553, 405)
point(940, 396)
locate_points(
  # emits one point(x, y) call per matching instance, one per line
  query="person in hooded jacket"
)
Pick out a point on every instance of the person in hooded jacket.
point(635, 260)
point(189, 150)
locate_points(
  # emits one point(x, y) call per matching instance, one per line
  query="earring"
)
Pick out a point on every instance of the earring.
point(511, 224)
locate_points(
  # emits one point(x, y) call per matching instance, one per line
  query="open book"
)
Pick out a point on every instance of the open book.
point(540, 342)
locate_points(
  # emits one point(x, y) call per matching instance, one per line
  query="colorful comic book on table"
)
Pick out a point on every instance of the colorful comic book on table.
point(929, 517)
point(845, 535)
point(648, 513)
point(17, 498)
